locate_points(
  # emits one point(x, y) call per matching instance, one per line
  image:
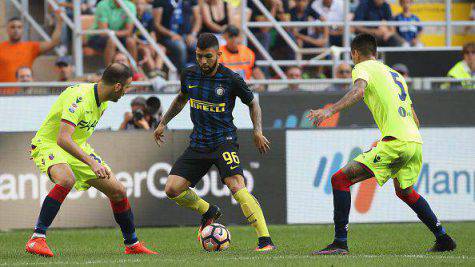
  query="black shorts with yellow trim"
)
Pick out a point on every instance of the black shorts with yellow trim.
point(193, 164)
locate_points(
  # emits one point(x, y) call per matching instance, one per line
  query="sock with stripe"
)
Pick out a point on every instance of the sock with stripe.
point(342, 204)
point(125, 218)
point(421, 207)
point(191, 200)
point(49, 209)
point(253, 212)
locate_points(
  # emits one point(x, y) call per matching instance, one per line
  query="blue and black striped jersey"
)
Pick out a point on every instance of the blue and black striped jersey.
point(212, 100)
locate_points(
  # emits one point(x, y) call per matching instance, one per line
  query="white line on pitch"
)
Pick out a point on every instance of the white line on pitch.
point(267, 257)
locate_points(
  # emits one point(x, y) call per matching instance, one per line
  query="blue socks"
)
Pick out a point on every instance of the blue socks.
point(125, 218)
point(50, 208)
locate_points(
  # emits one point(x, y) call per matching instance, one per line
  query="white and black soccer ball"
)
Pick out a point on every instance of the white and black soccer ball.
point(215, 237)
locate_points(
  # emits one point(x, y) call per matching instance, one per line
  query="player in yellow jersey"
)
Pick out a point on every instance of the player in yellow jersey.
point(59, 149)
point(397, 155)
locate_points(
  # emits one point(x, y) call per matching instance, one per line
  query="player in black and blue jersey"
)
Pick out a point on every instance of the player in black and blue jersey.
point(211, 90)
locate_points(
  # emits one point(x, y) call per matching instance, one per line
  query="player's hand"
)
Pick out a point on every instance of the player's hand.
point(101, 171)
point(261, 142)
point(158, 134)
point(319, 115)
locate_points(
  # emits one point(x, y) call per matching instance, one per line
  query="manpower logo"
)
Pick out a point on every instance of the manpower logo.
point(366, 190)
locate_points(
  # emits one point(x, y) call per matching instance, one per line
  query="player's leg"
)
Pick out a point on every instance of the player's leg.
point(373, 163)
point(178, 189)
point(123, 215)
point(403, 184)
point(62, 175)
point(352, 173)
point(226, 158)
point(251, 209)
point(185, 173)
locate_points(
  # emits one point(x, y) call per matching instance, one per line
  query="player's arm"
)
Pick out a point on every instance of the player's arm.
point(256, 116)
point(56, 37)
point(416, 119)
point(241, 90)
point(177, 105)
point(351, 98)
point(66, 142)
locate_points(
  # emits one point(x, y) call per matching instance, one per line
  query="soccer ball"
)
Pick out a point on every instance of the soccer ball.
point(215, 237)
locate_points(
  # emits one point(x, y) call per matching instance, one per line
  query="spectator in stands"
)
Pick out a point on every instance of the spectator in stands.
point(308, 36)
point(465, 69)
point(24, 74)
point(278, 9)
point(217, 14)
point(110, 15)
point(139, 118)
point(331, 10)
point(377, 10)
point(15, 53)
point(342, 71)
point(294, 72)
point(178, 23)
point(154, 107)
point(410, 33)
point(402, 69)
point(148, 57)
point(64, 68)
point(237, 56)
point(120, 57)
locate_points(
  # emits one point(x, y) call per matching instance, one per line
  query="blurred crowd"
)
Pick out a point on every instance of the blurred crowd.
point(175, 24)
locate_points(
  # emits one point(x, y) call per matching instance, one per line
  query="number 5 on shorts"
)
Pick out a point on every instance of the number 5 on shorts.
point(231, 157)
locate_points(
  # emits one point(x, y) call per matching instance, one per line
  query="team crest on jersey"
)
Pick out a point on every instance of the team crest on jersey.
point(219, 90)
point(51, 156)
point(79, 99)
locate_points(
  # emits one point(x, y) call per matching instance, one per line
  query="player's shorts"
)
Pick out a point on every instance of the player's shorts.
point(396, 159)
point(46, 155)
point(193, 164)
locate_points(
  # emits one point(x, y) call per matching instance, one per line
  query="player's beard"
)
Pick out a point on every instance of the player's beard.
point(211, 69)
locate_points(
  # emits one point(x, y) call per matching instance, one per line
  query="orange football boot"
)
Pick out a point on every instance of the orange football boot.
point(38, 246)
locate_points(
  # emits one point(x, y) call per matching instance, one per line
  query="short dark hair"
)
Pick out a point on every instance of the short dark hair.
point(116, 73)
point(207, 40)
point(14, 19)
point(365, 44)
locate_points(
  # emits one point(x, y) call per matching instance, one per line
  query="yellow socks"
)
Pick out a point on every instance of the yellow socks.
point(252, 210)
point(192, 201)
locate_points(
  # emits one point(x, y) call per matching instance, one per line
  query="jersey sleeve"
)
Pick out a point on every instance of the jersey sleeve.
point(359, 72)
point(72, 109)
point(183, 86)
point(241, 89)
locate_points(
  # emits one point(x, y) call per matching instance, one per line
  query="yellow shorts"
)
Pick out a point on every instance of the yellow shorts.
point(46, 155)
point(397, 159)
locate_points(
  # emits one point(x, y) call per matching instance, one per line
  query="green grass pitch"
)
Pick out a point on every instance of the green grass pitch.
point(370, 245)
